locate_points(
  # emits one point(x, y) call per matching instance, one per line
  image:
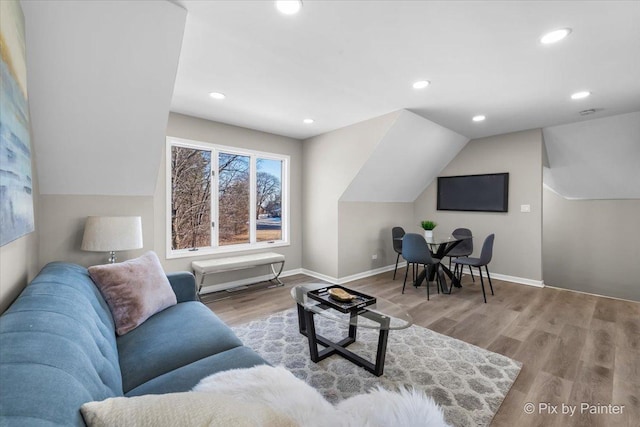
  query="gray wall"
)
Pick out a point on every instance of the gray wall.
point(592, 245)
point(518, 243)
point(62, 222)
point(364, 229)
point(186, 127)
point(62, 217)
point(330, 163)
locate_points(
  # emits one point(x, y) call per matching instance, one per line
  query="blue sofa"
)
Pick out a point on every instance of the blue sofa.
point(59, 349)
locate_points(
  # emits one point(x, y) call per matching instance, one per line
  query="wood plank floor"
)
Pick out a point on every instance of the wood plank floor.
point(575, 348)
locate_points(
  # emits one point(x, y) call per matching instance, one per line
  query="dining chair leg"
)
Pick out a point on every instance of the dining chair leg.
point(426, 279)
point(396, 269)
point(471, 271)
point(484, 295)
point(489, 277)
point(406, 272)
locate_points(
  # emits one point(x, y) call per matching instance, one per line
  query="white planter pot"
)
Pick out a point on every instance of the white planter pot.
point(428, 234)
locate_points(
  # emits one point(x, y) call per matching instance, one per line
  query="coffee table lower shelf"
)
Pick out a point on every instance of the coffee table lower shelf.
point(307, 327)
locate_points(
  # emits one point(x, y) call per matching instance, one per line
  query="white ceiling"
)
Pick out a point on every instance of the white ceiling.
point(344, 62)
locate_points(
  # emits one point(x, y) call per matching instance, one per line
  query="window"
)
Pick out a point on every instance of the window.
point(223, 199)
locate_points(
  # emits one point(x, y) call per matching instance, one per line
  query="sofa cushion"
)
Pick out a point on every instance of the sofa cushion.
point(58, 350)
point(135, 290)
point(186, 377)
point(175, 337)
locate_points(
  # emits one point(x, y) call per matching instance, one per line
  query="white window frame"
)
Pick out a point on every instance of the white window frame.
point(253, 155)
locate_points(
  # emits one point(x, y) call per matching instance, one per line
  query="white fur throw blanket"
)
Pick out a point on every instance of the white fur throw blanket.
point(264, 396)
point(286, 395)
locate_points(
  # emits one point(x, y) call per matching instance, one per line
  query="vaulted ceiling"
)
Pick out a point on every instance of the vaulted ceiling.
point(103, 76)
point(596, 159)
point(419, 150)
point(100, 80)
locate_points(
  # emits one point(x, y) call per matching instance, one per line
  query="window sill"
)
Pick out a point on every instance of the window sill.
point(225, 250)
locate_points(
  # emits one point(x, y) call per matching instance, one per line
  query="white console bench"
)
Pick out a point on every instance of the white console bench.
point(218, 265)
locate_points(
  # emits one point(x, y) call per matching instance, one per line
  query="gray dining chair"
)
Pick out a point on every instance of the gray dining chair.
point(462, 249)
point(397, 233)
point(416, 250)
point(485, 258)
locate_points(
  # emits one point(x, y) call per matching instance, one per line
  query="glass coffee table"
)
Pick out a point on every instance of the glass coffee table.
point(365, 312)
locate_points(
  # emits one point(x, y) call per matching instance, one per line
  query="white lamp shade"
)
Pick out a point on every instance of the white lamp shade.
point(112, 233)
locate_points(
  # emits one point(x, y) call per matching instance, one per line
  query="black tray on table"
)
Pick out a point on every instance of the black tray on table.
point(361, 300)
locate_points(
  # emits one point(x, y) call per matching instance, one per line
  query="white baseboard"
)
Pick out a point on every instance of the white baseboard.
point(520, 280)
point(589, 293)
point(370, 273)
point(351, 278)
point(320, 276)
point(346, 279)
point(342, 280)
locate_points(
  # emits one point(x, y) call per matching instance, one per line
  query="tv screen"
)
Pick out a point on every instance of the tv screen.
point(483, 193)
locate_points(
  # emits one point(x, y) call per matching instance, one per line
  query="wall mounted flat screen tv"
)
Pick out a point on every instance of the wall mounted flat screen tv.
point(482, 193)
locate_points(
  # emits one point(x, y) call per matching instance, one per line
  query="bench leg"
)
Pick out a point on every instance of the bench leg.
point(277, 275)
point(198, 285)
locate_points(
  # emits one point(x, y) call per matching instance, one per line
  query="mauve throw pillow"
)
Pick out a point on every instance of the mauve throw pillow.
point(135, 290)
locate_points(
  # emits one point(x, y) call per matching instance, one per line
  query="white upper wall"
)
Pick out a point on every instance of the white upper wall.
point(405, 161)
point(101, 76)
point(596, 159)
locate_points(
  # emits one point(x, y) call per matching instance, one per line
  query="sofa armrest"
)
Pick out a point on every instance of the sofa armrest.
point(184, 286)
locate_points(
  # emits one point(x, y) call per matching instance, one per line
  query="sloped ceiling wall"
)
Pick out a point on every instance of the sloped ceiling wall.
point(101, 76)
point(405, 161)
point(596, 159)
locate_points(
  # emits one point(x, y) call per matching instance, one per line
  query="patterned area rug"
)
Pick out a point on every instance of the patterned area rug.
point(469, 382)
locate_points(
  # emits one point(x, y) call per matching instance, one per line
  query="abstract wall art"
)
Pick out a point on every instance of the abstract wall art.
point(16, 187)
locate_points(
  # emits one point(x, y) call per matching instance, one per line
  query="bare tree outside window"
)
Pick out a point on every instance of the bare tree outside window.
point(268, 200)
point(233, 199)
point(224, 196)
point(190, 198)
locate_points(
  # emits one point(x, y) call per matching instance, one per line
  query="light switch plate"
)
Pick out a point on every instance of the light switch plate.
point(525, 208)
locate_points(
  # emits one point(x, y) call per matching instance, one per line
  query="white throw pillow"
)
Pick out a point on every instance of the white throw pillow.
point(181, 409)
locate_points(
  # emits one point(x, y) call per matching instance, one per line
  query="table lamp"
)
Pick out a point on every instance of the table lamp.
point(111, 234)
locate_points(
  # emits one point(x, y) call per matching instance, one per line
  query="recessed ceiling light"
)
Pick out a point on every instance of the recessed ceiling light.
point(289, 7)
point(479, 118)
point(308, 121)
point(217, 95)
point(555, 36)
point(580, 95)
point(421, 84)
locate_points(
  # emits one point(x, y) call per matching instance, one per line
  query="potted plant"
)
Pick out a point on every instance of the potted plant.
point(428, 227)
